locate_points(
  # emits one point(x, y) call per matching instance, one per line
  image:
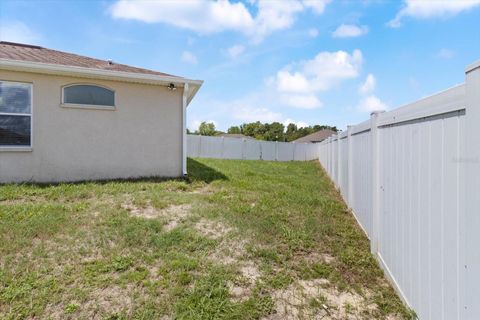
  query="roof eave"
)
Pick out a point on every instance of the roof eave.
point(54, 69)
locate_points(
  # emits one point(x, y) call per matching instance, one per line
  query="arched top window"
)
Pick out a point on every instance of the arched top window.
point(88, 94)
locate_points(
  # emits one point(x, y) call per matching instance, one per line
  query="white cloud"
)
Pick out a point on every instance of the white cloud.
point(251, 114)
point(372, 103)
point(236, 50)
point(302, 101)
point(324, 71)
point(349, 31)
point(274, 15)
point(189, 57)
point(299, 83)
point(445, 54)
point(299, 124)
point(199, 15)
point(16, 31)
point(317, 6)
point(208, 17)
point(313, 32)
point(424, 9)
point(369, 85)
point(292, 82)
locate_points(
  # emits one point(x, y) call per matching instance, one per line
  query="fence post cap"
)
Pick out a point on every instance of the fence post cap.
point(376, 113)
point(472, 66)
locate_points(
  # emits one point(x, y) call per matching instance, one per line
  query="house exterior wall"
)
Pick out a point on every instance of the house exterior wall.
point(142, 137)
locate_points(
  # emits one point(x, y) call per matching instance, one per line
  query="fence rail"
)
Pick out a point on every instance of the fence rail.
point(411, 177)
point(249, 149)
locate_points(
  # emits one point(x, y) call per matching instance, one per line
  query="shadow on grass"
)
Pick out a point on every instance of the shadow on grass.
point(198, 171)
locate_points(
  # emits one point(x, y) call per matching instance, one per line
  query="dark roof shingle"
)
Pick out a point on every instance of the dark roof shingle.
point(316, 136)
point(31, 53)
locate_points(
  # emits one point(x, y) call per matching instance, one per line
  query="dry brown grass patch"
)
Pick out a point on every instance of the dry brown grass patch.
point(294, 301)
point(173, 214)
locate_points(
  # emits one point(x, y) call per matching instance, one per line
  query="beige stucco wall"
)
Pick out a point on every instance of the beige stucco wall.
point(141, 138)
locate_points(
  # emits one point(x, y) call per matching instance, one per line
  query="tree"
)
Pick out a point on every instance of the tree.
point(234, 129)
point(254, 129)
point(274, 131)
point(207, 129)
point(291, 128)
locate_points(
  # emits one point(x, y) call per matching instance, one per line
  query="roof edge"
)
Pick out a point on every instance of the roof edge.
point(48, 68)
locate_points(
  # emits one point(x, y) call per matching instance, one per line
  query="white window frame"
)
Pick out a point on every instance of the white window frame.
point(63, 104)
point(20, 148)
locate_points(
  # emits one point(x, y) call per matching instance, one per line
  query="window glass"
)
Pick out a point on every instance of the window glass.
point(14, 130)
point(88, 94)
point(14, 97)
point(15, 113)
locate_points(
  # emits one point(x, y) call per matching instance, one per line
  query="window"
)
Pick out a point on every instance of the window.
point(88, 95)
point(15, 114)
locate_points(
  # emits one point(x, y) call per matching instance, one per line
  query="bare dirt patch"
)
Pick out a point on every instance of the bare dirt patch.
point(295, 302)
point(173, 214)
point(231, 250)
point(207, 189)
point(315, 257)
point(212, 229)
point(109, 300)
point(100, 303)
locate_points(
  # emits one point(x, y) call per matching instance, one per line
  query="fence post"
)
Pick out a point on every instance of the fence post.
point(470, 165)
point(244, 142)
point(223, 147)
point(200, 146)
point(375, 181)
point(330, 157)
point(349, 167)
point(339, 164)
point(276, 150)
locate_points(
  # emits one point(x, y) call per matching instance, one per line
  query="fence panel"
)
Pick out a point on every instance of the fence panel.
point(232, 148)
point(252, 150)
point(411, 202)
point(343, 166)
point(249, 149)
point(210, 147)
point(269, 150)
point(362, 179)
point(286, 151)
point(420, 211)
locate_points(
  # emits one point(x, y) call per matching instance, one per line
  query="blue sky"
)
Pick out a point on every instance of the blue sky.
point(303, 61)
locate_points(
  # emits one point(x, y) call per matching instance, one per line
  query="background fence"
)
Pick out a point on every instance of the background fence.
point(411, 177)
point(249, 149)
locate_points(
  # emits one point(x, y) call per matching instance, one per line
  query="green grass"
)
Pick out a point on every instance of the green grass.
point(83, 250)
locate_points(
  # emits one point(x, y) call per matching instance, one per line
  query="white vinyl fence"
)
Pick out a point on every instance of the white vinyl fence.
point(249, 149)
point(412, 179)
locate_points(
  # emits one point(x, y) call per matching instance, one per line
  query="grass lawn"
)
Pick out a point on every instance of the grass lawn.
point(238, 240)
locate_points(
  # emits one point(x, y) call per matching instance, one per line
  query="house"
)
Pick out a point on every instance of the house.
point(66, 117)
point(315, 137)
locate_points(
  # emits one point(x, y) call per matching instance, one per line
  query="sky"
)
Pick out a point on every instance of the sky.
point(308, 62)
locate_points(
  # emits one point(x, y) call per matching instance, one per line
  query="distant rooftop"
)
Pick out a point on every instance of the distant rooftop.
point(32, 53)
point(318, 136)
point(235, 135)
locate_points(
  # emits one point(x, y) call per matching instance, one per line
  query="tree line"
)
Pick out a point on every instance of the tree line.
point(274, 131)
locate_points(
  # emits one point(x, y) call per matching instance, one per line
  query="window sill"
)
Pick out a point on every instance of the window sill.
point(87, 106)
point(16, 149)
